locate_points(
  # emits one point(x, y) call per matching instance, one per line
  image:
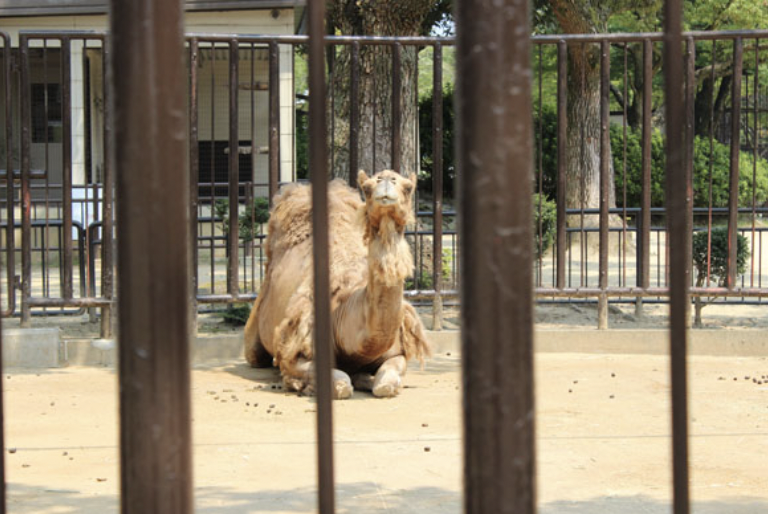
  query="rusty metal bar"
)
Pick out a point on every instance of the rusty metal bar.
point(233, 233)
point(605, 179)
point(755, 155)
point(318, 155)
point(194, 174)
point(690, 113)
point(10, 236)
point(150, 154)
point(562, 159)
point(495, 158)
point(397, 89)
point(274, 120)
point(680, 254)
point(26, 199)
point(107, 228)
point(733, 197)
point(66, 150)
point(437, 186)
point(354, 115)
point(644, 270)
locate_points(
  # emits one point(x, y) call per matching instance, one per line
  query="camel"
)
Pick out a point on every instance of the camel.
point(374, 330)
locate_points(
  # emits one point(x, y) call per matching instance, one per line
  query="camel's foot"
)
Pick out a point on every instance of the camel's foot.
point(386, 384)
point(387, 381)
point(342, 385)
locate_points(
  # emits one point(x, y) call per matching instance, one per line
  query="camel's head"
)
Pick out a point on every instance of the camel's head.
point(388, 195)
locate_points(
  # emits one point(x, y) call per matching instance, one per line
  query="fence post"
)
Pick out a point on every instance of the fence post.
point(150, 156)
point(605, 184)
point(495, 169)
point(26, 198)
point(437, 188)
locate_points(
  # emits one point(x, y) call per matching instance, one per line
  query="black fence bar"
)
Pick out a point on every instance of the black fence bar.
point(495, 157)
point(108, 216)
point(689, 117)
point(194, 173)
point(397, 113)
point(733, 198)
point(2, 427)
point(354, 114)
point(562, 161)
point(318, 165)
point(66, 150)
point(26, 198)
point(10, 238)
point(274, 119)
point(150, 153)
point(605, 179)
point(437, 186)
point(644, 268)
point(680, 254)
point(233, 233)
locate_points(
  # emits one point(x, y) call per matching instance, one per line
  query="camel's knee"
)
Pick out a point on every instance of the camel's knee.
point(388, 381)
point(342, 385)
point(257, 356)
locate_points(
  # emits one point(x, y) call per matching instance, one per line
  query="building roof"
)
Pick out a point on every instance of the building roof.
point(10, 8)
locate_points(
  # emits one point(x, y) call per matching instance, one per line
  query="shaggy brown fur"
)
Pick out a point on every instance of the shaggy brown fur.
point(370, 259)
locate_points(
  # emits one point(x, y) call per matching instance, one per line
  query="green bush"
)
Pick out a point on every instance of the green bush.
point(548, 220)
point(237, 314)
point(719, 256)
point(248, 227)
point(720, 167)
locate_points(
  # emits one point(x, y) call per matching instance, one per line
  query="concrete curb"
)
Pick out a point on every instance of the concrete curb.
point(44, 347)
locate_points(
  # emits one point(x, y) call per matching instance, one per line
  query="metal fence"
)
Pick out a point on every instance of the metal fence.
point(243, 119)
point(495, 156)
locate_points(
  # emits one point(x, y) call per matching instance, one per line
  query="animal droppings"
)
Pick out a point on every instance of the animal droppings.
point(272, 406)
point(25, 465)
point(247, 404)
point(53, 404)
point(448, 354)
point(11, 450)
point(427, 449)
point(274, 386)
point(278, 413)
point(575, 381)
point(424, 425)
point(269, 411)
point(570, 390)
point(611, 397)
point(211, 392)
point(65, 454)
point(101, 479)
point(227, 391)
point(613, 375)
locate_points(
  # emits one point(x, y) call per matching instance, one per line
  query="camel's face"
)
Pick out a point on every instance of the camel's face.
point(388, 191)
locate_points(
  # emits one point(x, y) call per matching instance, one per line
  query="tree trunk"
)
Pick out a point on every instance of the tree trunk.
point(584, 133)
point(374, 99)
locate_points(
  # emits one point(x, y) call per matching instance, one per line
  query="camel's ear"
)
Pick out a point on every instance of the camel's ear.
point(362, 178)
point(413, 178)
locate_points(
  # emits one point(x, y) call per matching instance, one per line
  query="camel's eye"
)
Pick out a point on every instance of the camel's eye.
point(379, 179)
point(408, 188)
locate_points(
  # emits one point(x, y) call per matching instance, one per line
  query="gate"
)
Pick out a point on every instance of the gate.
point(497, 276)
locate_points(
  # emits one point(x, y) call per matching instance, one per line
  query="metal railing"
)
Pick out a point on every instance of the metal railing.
point(234, 77)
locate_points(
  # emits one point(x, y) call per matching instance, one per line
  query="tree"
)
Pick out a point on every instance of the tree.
point(376, 18)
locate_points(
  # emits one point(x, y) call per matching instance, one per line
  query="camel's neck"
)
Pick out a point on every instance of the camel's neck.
point(389, 264)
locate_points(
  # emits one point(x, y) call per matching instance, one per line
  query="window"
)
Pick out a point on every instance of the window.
point(46, 113)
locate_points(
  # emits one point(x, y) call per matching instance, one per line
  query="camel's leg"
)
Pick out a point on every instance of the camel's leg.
point(387, 381)
point(255, 353)
point(301, 378)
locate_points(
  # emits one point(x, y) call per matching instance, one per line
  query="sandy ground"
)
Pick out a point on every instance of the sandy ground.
point(602, 424)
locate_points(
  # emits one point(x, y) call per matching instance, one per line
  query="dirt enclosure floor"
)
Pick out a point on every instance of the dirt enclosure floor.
point(603, 439)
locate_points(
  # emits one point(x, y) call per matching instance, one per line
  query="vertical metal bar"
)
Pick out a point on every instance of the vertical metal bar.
point(680, 254)
point(623, 246)
point(10, 234)
point(755, 155)
point(354, 114)
point(26, 199)
point(690, 114)
point(150, 155)
point(711, 159)
point(540, 172)
point(2, 403)
point(605, 184)
point(733, 197)
point(495, 163)
point(194, 174)
point(233, 241)
point(397, 113)
point(274, 119)
point(107, 228)
point(66, 151)
point(318, 155)
point(644, 276)
point(437, 186)
point(562, 159)
point(212, 171)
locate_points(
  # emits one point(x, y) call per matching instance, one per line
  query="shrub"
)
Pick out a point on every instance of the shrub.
point(719, 255)
point(237, 314)
point(248, 228)
point(548, 219)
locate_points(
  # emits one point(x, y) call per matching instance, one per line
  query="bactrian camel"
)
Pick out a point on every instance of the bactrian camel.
point(375, 332)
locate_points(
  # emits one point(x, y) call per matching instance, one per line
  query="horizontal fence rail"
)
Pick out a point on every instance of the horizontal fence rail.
point(599, 235)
